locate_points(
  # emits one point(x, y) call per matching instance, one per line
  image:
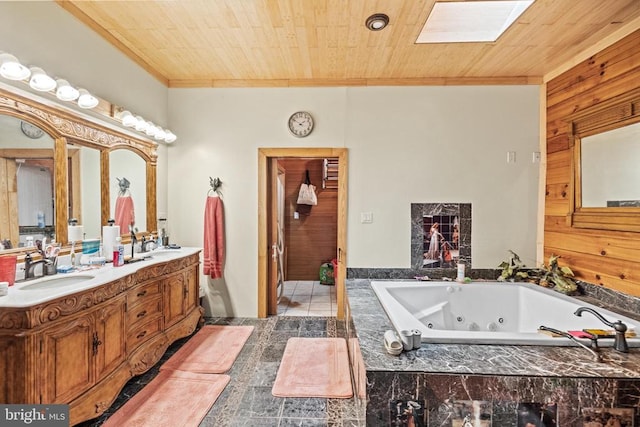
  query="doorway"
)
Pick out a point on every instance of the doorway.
point(269, 182)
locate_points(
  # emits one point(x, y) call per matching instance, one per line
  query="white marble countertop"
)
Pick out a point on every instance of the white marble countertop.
point(35, 291)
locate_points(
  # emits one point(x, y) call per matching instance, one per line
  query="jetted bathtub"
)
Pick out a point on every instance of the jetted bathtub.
point(490, 313)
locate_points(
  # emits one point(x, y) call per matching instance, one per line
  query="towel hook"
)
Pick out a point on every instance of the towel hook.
point(215, 184)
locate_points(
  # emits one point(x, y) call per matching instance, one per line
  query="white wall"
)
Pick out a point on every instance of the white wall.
point(406, 145)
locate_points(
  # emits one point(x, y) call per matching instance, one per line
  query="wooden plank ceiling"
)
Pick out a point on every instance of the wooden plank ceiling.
point(245, 43)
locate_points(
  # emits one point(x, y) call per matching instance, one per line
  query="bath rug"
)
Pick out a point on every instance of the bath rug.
point(314, 367)
point(212, 350)
point(171, 399)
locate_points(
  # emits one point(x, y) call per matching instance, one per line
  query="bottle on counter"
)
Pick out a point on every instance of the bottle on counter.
point(118, 253)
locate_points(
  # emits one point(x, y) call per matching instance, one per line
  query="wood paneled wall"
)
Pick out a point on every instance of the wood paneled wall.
point(312, 239)
point(607, 258)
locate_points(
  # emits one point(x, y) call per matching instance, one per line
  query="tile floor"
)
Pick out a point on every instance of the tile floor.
point(307, 298)
point(247, 399)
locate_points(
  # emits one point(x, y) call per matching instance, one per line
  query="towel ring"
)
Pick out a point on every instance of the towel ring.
point(215, 184)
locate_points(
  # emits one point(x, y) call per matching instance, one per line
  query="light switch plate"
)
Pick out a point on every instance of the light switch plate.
point(366, 217)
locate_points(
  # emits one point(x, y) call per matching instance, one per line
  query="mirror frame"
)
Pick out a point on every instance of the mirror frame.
point(68, 126)
point(617, 112)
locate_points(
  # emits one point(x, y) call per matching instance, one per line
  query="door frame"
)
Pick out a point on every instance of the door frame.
point(264, 202)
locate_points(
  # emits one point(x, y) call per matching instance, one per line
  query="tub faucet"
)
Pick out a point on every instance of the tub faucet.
point(30, 266)
point(594, 351)
point(620, 343)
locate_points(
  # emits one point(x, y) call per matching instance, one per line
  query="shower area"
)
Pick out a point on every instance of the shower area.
point(306, 241)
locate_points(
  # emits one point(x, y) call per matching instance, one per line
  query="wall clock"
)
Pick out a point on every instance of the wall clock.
point(301, 124)
point(30, 130)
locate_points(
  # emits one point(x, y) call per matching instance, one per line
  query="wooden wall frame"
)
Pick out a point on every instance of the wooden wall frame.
point(614, 113)
point(68, 126)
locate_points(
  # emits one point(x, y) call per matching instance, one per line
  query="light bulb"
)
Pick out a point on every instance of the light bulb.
point(86, 100)
point(128, 119)
point(141, 124)
point(12, 69)
point(170, 137)
point(65, 91)
point(40, 80)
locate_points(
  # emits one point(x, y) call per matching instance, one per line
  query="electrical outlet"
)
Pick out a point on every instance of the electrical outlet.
point(511, 156)
point(366, 217)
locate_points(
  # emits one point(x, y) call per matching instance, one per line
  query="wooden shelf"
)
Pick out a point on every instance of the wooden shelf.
point(330, 174)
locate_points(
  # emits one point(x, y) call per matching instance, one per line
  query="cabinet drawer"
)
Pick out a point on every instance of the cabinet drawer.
point(145, 309)
point(143, 331)
point(134, 296)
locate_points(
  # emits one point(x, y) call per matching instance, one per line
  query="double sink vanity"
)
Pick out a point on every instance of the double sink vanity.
point(77, 338)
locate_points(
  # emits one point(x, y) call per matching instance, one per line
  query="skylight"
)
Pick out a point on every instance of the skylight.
point(470, 21)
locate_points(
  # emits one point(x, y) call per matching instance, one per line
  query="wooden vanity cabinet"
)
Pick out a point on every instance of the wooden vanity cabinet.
point(81, 349)
point(80, 352)
point(181, 296)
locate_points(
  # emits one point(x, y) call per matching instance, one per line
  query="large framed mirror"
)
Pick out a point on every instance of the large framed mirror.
point(27, 198)
point(127, 188)
point(54, 165)
point(606, 176)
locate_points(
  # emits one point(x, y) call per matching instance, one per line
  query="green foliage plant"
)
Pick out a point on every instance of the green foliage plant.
point(513, 269)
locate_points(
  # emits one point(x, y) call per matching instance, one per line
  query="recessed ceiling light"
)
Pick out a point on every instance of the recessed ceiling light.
point(470, 21)
point(377, 22)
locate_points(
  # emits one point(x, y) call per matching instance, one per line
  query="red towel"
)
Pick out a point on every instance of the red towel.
point(213, 237)
point(124, 214)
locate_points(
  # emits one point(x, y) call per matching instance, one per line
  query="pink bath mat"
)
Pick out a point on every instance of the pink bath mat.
point(314, 367)
point(171, 399)
point(212, 350)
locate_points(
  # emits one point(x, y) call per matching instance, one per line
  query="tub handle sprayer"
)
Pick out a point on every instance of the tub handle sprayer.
point(596, 356)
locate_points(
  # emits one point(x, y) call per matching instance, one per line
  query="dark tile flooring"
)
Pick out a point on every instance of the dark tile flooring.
point(247, 399)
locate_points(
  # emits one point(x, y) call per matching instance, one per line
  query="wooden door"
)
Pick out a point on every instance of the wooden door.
point(109, 337)
point(68, 359)
point(175, 291)
point(192, 289)
point(276, 234)
point(12, 366)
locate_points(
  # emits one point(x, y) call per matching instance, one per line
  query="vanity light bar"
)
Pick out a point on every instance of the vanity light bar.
point(38, 79)
point(143, 126)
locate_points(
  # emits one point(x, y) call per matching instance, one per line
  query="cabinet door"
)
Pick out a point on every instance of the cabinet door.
point(109, 337)
point(68, 359)
point(193, 289)
point(12, 366)
point(175, 290)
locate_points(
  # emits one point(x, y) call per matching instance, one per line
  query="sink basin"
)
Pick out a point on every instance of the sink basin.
point(56, 282)
point(164, 252)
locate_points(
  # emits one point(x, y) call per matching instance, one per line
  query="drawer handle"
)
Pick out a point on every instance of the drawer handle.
point(141, 334)
point(142, 313)
point(141, 294)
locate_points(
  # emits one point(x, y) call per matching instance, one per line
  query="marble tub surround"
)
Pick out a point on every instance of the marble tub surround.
point(440, 374)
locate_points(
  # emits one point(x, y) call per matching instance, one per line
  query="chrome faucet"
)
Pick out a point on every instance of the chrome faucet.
point(30, 266)
point(620, 342)
point(144, 243)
